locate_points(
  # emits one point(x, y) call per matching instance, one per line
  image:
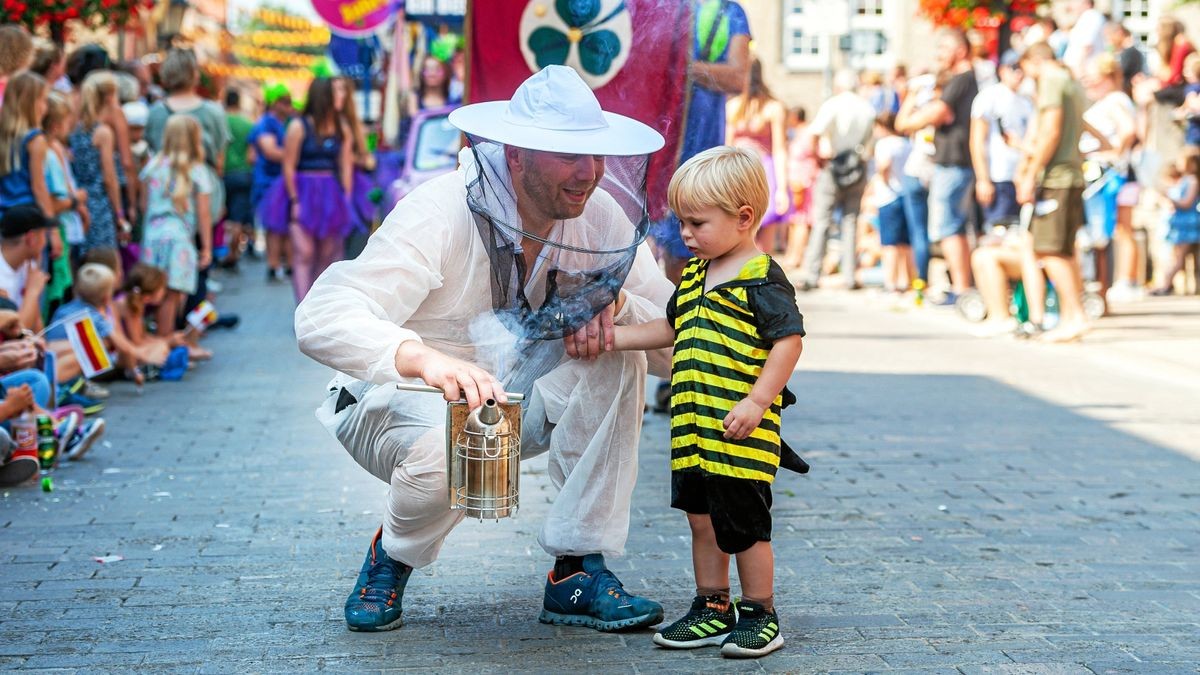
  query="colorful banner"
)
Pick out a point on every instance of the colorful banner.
point(88, 347)
point(356, 18)
point(633, 53)
point(203, 316)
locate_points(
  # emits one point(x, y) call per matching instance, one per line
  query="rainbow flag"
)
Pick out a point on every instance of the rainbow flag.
point(88, 347)
point(203, 316)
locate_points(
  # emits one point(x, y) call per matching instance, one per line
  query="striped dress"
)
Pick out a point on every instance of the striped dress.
point(722, 340)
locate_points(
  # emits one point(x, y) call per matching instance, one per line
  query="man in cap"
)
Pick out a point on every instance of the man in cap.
point(425, 300)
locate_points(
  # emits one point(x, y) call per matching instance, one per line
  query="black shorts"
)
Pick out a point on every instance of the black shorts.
point(740, 508)
point(238, 207)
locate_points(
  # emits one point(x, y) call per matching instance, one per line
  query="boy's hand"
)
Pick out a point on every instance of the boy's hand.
point(743, 419)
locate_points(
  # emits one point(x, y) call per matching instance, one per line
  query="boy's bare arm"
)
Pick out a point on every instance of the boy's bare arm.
point(748, 413)
point(656, 334)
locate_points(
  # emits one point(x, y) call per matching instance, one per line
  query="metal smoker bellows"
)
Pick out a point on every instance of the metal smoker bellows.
point(483, 455)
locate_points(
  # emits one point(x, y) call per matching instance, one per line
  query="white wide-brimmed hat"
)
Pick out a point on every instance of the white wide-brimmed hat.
point(554, 110)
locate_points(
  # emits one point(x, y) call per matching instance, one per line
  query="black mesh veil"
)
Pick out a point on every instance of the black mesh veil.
point(583, 262)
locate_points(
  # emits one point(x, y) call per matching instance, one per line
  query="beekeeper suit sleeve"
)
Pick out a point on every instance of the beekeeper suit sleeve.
point(352, 319)
point(647, 292)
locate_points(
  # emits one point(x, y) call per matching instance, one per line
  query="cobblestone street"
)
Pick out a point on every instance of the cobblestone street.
point(974, 506)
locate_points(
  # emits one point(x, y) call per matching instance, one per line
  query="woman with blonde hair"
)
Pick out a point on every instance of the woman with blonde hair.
point(69, 200)
point(757, 121)
point(93, 146)
point(177, 201)
point(23, 149)
point(21, 141)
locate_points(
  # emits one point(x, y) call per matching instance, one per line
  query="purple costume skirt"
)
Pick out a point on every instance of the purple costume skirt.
point(323, 206)
point(771, 217)
point(364, 209)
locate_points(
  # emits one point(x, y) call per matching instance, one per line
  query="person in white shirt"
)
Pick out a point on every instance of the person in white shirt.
point(22, 240)
point(1113, 116)
point(840, 132)
point(1000, 118)
point(420, 304)
point(1086, 40)
point(891, 153)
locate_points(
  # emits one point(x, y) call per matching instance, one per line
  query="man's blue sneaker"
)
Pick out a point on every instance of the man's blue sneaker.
point(374, 604)
point(595, 598)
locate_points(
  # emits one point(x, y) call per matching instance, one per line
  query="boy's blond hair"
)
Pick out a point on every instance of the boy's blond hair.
point(94, 284)
point(724, 177)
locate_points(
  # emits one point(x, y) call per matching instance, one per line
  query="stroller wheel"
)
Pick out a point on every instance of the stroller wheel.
point(1093, 305)
point(970, 306)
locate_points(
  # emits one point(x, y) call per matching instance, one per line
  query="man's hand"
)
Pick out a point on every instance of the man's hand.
point(593, 339)
point(35, 283)
point(743, 419)
point(1026, 188)
point(456, 378)
point(985, 192)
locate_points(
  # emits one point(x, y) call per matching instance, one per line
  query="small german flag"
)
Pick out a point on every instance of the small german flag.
point(203, 316)
point(88, 347)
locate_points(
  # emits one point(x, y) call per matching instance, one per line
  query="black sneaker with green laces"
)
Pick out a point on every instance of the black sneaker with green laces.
point(707, 624)
point(756, 633)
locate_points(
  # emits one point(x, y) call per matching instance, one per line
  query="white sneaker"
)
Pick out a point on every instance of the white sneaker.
point(1125, 292)
point(84, 438)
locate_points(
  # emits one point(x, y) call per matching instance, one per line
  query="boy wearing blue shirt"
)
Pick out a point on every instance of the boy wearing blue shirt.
point(266, 137)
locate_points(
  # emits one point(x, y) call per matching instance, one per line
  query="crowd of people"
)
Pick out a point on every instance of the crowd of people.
point(896, 171)
point(136, 168)
point(111, 199)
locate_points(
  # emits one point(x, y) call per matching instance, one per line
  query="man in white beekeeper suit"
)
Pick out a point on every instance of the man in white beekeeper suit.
point(440, 295)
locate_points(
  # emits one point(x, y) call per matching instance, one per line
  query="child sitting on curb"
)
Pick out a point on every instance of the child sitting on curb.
point(146, 285)
point(94, 286)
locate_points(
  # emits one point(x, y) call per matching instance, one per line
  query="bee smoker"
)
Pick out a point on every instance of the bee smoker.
point(483, 455)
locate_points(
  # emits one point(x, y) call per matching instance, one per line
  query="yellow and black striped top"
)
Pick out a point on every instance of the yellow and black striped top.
point(722, 340)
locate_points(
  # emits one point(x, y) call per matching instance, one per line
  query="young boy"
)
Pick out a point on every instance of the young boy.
point(737, 336)
point(94, 288)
